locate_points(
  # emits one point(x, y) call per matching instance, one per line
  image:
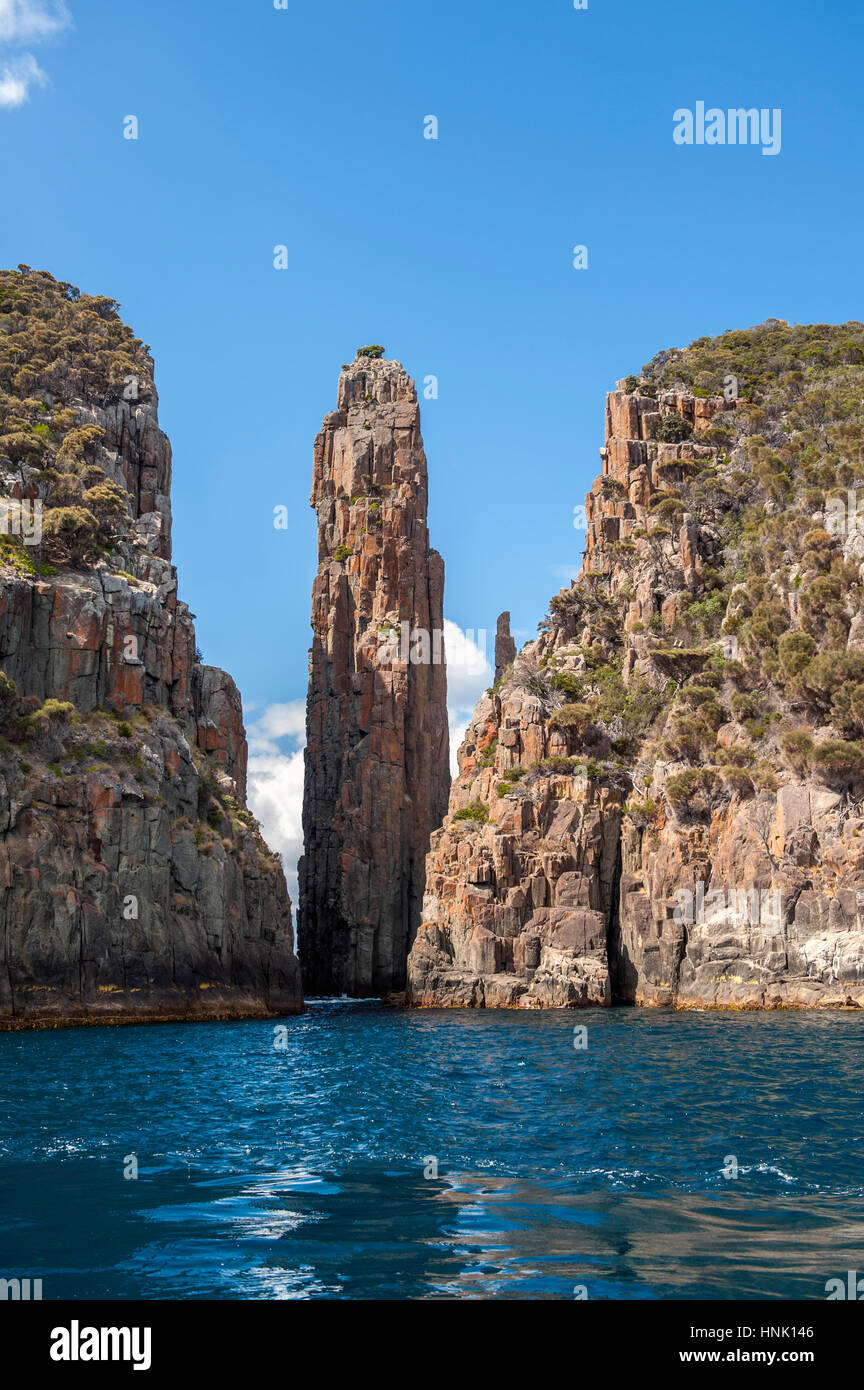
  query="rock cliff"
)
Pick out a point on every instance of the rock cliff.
point(377, 773)
point(661, 800)
point(135, 882)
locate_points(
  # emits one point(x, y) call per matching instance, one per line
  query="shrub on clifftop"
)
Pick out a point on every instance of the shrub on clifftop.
point(474, 811)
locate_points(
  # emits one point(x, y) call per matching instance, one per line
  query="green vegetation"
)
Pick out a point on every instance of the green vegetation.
point(59, 346)
point(62, 710)
point(487, 757)
point(567, 683)
point(372, 350)
point(475, 811)
point(745, 706)
point(762, 563)
point(21, 558)
point(693, 791)
point(673, 429)
point(567, 767)
point(509, 779)
point(795, 650)
point(576, 716)
point(759, 357)
point(797, 747)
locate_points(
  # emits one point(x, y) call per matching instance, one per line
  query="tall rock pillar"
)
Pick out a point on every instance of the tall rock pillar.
point(505, 647)
point(377, 755)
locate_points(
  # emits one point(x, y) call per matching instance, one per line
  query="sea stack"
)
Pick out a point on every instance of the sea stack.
point(505, 647)
point(377, 754)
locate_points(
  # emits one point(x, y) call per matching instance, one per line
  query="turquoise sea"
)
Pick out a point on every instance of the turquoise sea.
point(364, 1152)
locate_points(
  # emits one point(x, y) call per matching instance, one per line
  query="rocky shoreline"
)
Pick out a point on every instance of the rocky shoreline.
point(660, 799)
point(232, 1012)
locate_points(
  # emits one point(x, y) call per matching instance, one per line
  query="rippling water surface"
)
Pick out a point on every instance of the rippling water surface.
point(309, 1172)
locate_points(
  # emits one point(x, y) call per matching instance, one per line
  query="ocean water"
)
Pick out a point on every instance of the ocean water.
point(440, 1154)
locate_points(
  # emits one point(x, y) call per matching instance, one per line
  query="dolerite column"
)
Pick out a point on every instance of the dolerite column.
point(377, 756)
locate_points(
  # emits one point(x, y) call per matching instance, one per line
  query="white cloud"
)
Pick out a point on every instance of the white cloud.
point(17, 76)
point(27, 21)
point(468, 668)
point(277, 735)
point(32, 21)
point(275, 791)
point(469, 673)
point(275, 781)
point(278, 722)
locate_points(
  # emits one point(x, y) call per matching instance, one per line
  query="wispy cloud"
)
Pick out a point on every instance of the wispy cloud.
point(26, 22)
point(32, 21)
point(17, 76)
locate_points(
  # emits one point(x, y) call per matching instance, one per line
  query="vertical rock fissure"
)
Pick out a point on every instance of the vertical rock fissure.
point(613, 931)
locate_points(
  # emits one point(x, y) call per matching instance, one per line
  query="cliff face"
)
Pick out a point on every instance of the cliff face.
point(135, 881)
point(520, 883)
point(662, 799)
point(377, 773)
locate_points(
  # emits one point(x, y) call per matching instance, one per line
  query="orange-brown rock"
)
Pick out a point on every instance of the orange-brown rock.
point(662, 802)
point(519, 893)
point(377, 737)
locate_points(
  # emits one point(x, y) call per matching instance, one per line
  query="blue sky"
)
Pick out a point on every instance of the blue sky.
point(303, 126)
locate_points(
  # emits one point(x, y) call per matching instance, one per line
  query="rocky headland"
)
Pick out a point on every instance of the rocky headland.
point(136, 884)
point(661, 798)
